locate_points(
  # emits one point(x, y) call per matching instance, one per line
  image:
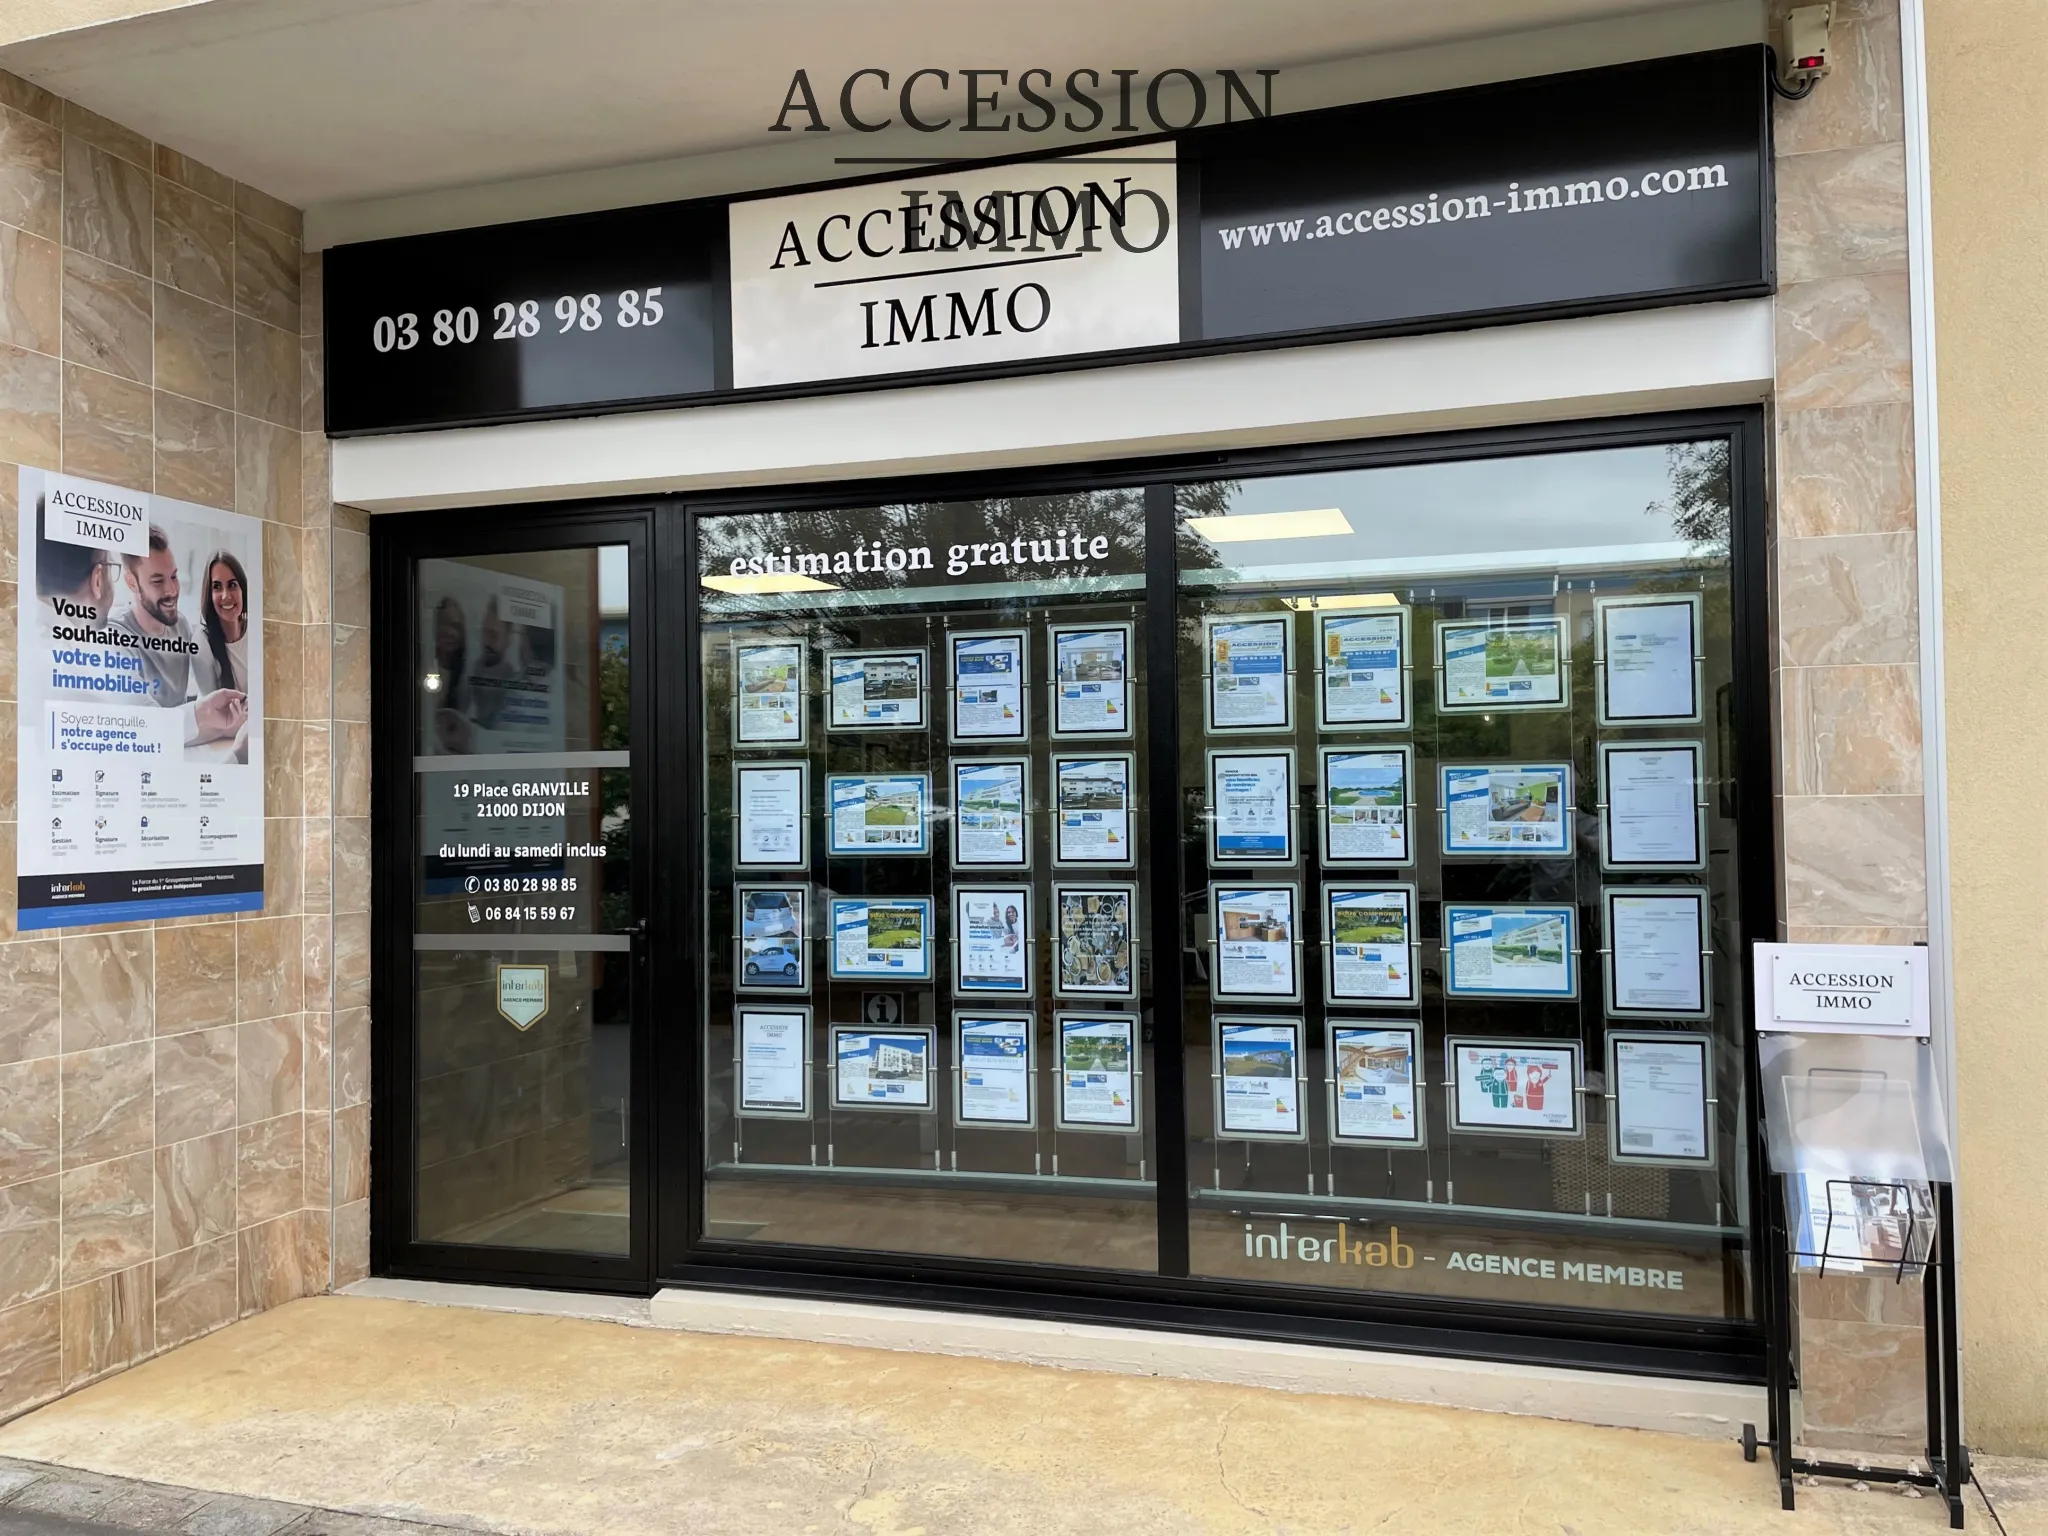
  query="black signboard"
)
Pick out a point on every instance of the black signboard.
point(1639, 185)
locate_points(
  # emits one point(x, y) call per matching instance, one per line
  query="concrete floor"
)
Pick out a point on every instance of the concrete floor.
point(552, 1424)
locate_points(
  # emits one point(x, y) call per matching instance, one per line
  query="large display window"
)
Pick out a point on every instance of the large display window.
point(924, 817)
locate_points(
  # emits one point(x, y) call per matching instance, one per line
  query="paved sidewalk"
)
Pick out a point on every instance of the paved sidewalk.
point(41, 1500)
point(510, 1422)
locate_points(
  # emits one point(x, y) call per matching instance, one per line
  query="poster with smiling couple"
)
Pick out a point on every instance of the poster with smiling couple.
point(140, 714)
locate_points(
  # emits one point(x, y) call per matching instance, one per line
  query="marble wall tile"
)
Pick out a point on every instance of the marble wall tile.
point(319, 1162)
point(316, 1269)
point(270, 1069)
point(1844, 341)
point(267, 273)
point(195, 348)
point(351, 1057)
point(1855, 860)
point(316, 482)
point(106, 987)
point(1807, 933)
point(316, 557)
point(31, 1370)
point(195, 451)
point(195, 977)
point(195, 1191)
point(284, 668)
point(284, 873)
point(1852, 730)
point(23, 96)
point(1861, 101)
point(267, 486)
point(318, 1029)
point(107, 1325)
point(351, 1243)
point(354, 519)
point(284, 755)
point(108, 135)
point(31, 402)
point(1845, 471)
point(31, 288)
point(317, 679)
point(195, 175)
point(195, 244)
point(109, 1217)
point(312, 385)
point(269, 968)
point(317, 855)
point(284, 592)
point(108, 1103)
point(1852, 599)
point(351, 963)
point(270, 1162)
point(351, 578)
point(107, 317)
point(195, 1084)
point(31, 175)
point(312, 288)
point(107, 427)
point(195, 1292)
point(28, 1000)
point(351, 1154)
point(268, 1265)
point(30, 1126)
point(261, 206)
point(9, 505)
point(108, 207)
point(266, 372)
point(351, 673)
point(352, 768)
point(1842, 211)
point(351, 864)
point(29, 1230)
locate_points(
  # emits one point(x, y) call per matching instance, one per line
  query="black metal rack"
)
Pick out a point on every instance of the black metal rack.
point(1948, 1459)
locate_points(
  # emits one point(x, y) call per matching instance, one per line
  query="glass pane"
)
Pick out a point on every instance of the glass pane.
point(1460, 852)
point(523, 899)
point(925, 820)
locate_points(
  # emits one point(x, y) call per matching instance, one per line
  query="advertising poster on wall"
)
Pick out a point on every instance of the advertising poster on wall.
point(1523, 810)
point(992, 950)
point(768, 680)
point(1092, 807)
point(1365, 806)
point(1372, 1084)
point(1513, 1086)
point(882, 938)
point(990, 673)
point(886, 1069)
point(140, 771)
point(1494, 664)
point(1364, 665)
point(1091, 680)
point(990, 796)
point(1255, 938)
point(1095, 941)
point(1511, 951)
point(1371, 933)
point(773, 926)
point(994, 1069)
point(774, 1071)
point(875, 690)
point(1251, 682)
point(1258, 1092)
point(1098, 1071)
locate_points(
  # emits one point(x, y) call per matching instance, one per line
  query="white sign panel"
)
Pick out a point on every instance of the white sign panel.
point(1846, 989)
point(953, 269)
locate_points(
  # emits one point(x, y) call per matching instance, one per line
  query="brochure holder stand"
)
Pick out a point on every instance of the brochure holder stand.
point(1859, 1181)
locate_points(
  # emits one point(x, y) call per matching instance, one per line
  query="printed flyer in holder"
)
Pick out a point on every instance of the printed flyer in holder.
point(1500, 810)
point(881, 938)
point(1375, 1083)
point(1651, 817)
point(1659, 944)
point(139, 721)
point(1648, 653)
point(991, 685)
point(881, 1068)
point(1659, 1100)
point(1250, 671)
point(1259, 1079)
point(774, 954)
point(1098, 1071)
point(768, 688)
point(879, 814)
point(1092, 810)
point(995, 1069)
point(1365, 805)
point(1255, 939)
point(1372, 943)
point(991, 815)
point(1364, 678)
point(875, 690)
point(1519, 951)
point(771, 811)
point(1091, 681)
point(1497, 664)
point(774, 1069)
point(1095, 940)
point(1514, 1087)
point(1251, 807)
point(992, 950)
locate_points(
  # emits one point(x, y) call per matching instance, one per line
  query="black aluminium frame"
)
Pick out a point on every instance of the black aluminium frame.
point(667, 1143)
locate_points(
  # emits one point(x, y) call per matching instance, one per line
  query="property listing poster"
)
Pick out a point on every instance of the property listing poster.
point(140, 714)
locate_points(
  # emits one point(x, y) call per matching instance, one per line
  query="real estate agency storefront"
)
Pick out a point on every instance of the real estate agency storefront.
point(1183, 743)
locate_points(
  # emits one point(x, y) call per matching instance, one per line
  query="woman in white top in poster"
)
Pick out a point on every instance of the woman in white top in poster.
point(223, 659)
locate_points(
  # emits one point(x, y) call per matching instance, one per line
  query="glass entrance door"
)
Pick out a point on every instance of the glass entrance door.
point(527, 985)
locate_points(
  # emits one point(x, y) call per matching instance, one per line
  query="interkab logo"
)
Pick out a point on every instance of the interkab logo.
point(1342, 1248)
point(988, 101)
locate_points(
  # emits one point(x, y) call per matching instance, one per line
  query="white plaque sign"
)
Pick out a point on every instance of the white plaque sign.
point(1849, 989)
point(951, 269)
